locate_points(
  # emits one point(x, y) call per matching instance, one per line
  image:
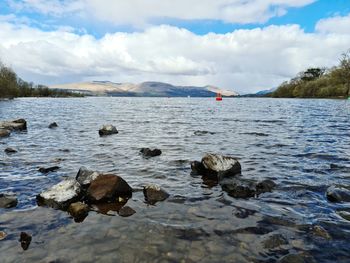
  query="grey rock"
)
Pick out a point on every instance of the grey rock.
point(147, 152)
point(338, 194)
point(10, 150)
point(344, 214)
point(8, 200)
point(53, 125)
point(239, 189)
point(265, 186)
point(107, 130)
point(61, 195)
point(318, 230)
point(154, 193)
point(85, 176)
point(274, 241)
point(15, 125)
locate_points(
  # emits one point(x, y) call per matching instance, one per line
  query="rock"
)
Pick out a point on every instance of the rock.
point(25, 240)
point(53, 125)
point(239, 189)
point(153, 193)
point(147, 152)
point(85, 176)
point(201, 133)
point(274, 241)
point(338, 194)
point(126, 211)
point(265, 186)
point(320, 231)
point(61, 195)
point(79, 211)
point(8, 200)
point(49, 169)
point(297, 258)
point(107, 130)
point(15, 125)
point(214, 164)
point(344, 214)
point(10, 150)
point(108, 187)
point(4, 133)
point(3, 235)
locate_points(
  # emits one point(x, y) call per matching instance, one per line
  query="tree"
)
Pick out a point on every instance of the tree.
point(345, 70)
point(312, 74)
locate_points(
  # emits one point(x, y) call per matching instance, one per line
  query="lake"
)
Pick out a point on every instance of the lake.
point(302, 145)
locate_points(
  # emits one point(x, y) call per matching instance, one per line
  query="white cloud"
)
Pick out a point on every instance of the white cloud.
point(141, 12)
point(337, 24)
point(244, 60)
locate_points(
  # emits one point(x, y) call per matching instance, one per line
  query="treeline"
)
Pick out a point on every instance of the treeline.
point(11, 86)
point(319, 82)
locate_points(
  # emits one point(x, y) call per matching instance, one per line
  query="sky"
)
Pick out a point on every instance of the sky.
point(240, 45)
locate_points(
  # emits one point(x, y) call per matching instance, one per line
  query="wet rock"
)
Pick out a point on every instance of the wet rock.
point(265, 186)
point(25, 240)
point(4, 133)
point(10, 150)
point(201, 133)
point(61, 195)
point(239, 189)
point(8, 200)
point(49, 169)
point(320, 231)
point(3, 235)
point(344, 214)
point(107, 130)
point(338, 194)
point(243, 212)
point(85, 176)
point(105, 208)
point(15, 125)
point(79, 211)
point(126, 211)
point(274, 241)
point(108, 187)
point(153, 193)
point(147, 152)
point(297, 258)
point(53, 125)
point(214, 164)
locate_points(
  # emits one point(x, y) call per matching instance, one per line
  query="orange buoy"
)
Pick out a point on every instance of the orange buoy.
point(218, 96)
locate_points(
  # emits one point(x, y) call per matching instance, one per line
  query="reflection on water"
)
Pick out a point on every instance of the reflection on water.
point(302, 145)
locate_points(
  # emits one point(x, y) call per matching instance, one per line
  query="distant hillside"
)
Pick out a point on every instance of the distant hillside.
point(319, 82)
point(145, 89)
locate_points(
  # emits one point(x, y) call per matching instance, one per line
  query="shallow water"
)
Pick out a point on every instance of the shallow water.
point(292, 142)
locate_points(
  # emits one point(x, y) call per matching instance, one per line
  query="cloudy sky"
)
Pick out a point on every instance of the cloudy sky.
point(242, 45)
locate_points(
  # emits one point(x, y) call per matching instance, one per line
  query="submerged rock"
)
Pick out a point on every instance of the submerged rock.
point(265, 186)
point(53, 125)
point(85, 176)
point(147, 152)
point(15, 125)
point(344, 214)
point(219, 165)
point(239, 189)
point(107, 130)
point(10, 150)
point(154, 193)
point(8, 200)
point(61, 195)
point(25, 240)
point(126, 211)
point(108, 187)
point(4, 133)
point(274, 241)
point(338, 194)
point(49, 169)
point(79, 211)
point(320, 231)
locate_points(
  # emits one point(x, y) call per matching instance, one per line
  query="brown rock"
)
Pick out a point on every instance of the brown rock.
point(108, 187)
point(153, 194)
point(126, 211)
point(3, 235)
point(4, 133)
point(79, 211)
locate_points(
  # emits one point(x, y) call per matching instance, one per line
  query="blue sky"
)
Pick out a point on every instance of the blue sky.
point(174, 41)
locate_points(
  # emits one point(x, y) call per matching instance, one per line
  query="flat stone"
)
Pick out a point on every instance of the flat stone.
point(154, 193)
point(338, 194)
point(126, 211)
point(10, 150)
point(79, 211)
point(61, 195)
point(53, 125)
point(4, 133)
point(8, 200)
point(15, 125)
point(85, 176)
point(108, 187)
point(107, 130)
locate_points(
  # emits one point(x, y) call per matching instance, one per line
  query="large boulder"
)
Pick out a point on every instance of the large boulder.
point(4, 132)
point(85, 176)
point(338, 194)
point(217, 165)
point(8, 200)
point(147, 152)
point(108, 187)
point(15, 125)
point(154, 193)
point(61, 195)
point(107, 130)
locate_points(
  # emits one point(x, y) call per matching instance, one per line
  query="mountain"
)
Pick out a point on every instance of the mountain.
point(262, 93)
point(145, 89)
